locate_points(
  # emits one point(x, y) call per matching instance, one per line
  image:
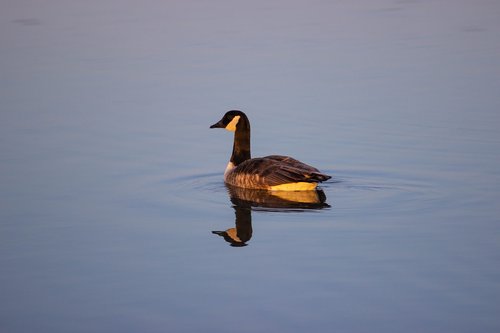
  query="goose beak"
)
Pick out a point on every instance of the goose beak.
point(218, 125)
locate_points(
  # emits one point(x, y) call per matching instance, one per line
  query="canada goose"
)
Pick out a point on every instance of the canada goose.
point(274, 172)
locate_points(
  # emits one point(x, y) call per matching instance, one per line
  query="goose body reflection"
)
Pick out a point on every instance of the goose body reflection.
point(274, 172)
point(244, 200)
point(277, 200)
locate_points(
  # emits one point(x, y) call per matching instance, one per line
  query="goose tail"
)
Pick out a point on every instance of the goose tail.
point(318, 177)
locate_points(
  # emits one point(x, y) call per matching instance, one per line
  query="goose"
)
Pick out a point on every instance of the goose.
point(273, 173)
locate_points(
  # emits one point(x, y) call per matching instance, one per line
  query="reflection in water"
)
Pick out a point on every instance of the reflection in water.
point(242, 232)
point(245, 199)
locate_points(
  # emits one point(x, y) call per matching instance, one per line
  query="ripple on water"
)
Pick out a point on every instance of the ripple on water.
point(377, 191)
point(200, 189)
point(349, 192)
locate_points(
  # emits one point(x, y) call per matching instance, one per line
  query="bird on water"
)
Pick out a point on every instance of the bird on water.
point(274, 172)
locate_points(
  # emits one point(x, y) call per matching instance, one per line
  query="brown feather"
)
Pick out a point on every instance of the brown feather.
point(264, 172)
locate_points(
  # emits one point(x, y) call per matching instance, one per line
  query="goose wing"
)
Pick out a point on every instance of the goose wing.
point(277, 170)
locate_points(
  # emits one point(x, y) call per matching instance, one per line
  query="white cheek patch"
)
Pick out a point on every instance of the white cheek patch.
point(232, 125)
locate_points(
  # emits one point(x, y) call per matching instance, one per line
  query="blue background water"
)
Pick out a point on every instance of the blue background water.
point(111, 181)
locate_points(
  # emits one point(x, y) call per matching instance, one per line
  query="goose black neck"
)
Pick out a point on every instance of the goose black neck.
point(241, 145)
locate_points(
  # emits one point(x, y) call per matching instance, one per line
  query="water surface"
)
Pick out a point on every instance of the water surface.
point(111, 181)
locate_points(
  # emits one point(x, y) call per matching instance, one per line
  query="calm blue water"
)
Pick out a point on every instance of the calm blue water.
point(111, 181)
